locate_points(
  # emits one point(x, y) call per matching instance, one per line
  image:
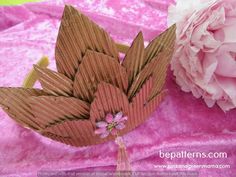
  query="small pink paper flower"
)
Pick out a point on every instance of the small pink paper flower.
point(111, 124)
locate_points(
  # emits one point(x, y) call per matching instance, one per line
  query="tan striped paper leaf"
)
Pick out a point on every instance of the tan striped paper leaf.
point(163, 43)
point(97, 67)
point(65, 140)
point(138, 102)
point(108, 99)
point(140, 108)
point(157, 68)
point(75, 132)
point(78, 33)
point(134, 58)
point(50, 110)
point(54, 83)
point(15, 102)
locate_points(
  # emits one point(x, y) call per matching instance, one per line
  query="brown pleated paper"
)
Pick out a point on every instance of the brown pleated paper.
point(91, 82)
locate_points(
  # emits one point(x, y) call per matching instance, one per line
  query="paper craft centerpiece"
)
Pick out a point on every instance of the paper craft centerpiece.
point(94, 96)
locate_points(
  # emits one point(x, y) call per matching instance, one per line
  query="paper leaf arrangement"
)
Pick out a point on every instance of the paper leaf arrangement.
point(94, 97)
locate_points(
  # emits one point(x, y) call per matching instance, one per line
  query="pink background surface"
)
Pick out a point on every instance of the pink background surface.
point(182, 122)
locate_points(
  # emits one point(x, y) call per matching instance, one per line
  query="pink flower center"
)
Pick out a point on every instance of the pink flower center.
point(111, 126)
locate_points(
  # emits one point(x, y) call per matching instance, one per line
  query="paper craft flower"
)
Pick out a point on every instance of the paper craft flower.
point(90, 83)
point(111, 124)
point(204, 62)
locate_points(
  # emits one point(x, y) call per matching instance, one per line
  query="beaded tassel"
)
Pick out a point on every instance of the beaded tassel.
point(123, 167)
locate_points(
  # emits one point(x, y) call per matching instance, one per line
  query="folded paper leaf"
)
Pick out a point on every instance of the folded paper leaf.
point(78, 33)
point(134, 58)
point(108, 99)
point(75, 133)
point(92, 85)
point(15, 102)
point(49, 110)
point(54, 83)
point(157, 67)
point(163, 42)
point(94, 68)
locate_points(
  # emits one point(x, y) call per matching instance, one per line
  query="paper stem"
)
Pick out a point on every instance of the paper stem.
point(31, 77)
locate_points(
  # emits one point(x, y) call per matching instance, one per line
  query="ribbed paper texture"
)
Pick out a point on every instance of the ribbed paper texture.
point(77, 133)
point(50, 110)
point(108, 99)
point(163, 42)
point(94, 68)
point(157, 67)
point(134, 58)
point(77, 33)
point(54, 83)
point(140, 108)
point(14, 101)
point(92, 82)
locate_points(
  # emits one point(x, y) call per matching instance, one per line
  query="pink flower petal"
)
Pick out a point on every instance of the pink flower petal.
point(114, 131)
point(125, 118)
point(109, 118)
point(120, 126)
point(105, 134)
point(100, 130)
point(226, 65)
point(101, 124)
point(118, 116)
point(229, 34)
point(229, 87)
point(225, 105)
point(204, 59)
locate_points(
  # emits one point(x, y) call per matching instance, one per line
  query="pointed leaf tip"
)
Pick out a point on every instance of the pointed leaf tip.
point(134, 59)
point(78, 33)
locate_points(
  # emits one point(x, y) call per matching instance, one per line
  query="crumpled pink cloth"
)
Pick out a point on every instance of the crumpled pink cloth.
point(182, 122)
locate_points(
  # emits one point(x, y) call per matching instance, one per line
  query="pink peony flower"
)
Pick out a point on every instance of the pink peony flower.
point(204, 62)
point(111, 124)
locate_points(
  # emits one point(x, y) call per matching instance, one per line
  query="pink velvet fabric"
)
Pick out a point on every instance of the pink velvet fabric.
point(182, 122)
